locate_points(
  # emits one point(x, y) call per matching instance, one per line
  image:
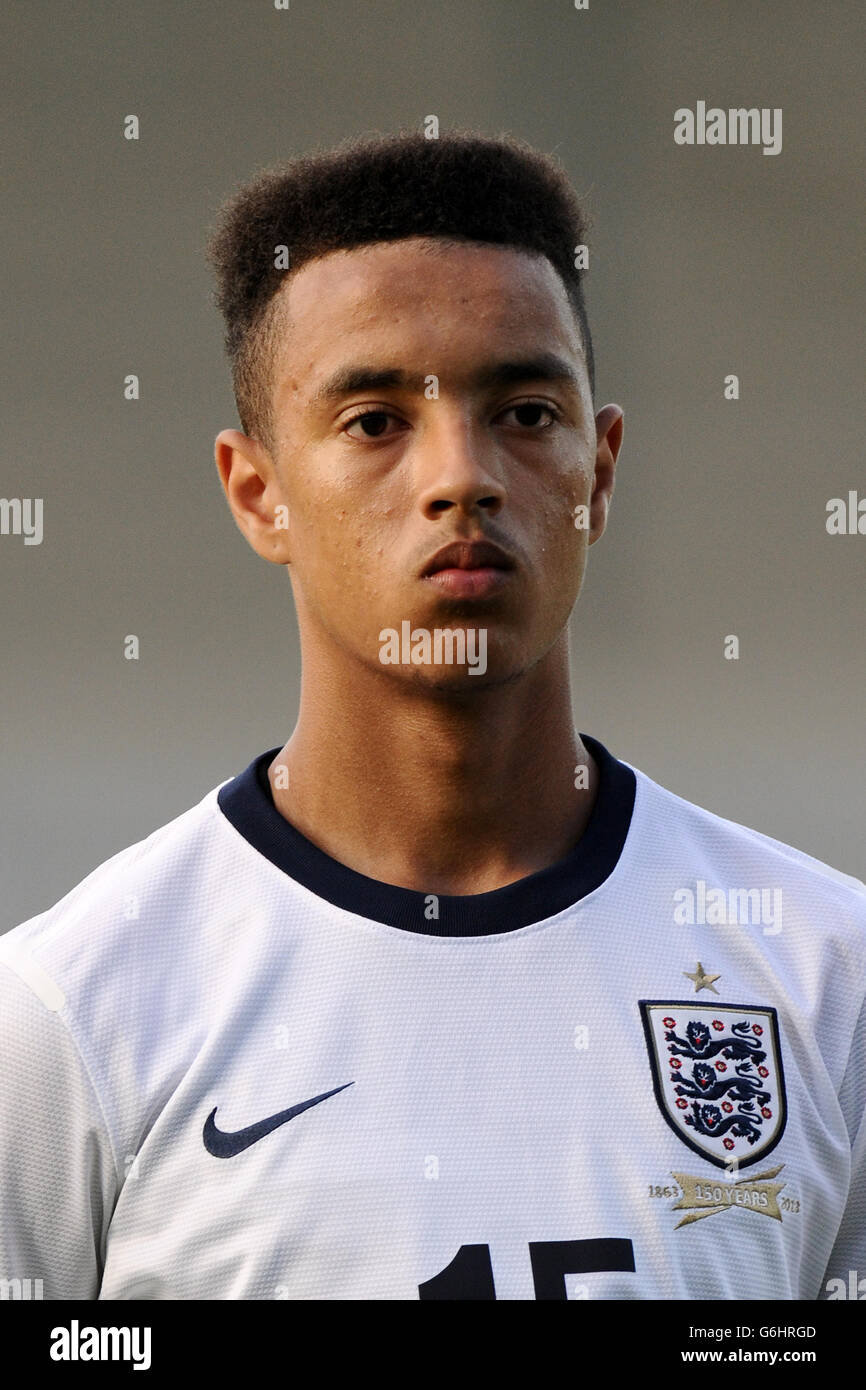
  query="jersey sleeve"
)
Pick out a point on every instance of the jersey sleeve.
point(845, 1276)
point(58, 1175)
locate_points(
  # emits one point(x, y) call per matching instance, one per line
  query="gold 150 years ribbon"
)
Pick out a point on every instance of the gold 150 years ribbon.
point(706, 1196)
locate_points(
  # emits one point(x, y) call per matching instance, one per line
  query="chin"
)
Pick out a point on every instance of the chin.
point(461, 683)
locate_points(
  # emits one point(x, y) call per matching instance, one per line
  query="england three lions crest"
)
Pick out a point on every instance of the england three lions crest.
point(718, 1077)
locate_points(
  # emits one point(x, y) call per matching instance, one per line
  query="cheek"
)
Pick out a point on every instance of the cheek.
point(339, 552)
point(560, 517)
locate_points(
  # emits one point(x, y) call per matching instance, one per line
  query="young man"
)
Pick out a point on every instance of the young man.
point(441, 999)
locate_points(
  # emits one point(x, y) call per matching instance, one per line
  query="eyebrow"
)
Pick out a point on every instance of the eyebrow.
point(545, 366)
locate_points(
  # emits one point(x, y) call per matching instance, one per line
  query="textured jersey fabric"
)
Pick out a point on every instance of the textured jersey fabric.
point(233, 1068)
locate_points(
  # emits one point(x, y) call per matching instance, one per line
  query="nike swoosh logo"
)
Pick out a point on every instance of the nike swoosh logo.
point(225, 1145)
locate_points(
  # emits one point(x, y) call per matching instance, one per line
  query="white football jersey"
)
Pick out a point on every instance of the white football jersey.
point(234, 1068)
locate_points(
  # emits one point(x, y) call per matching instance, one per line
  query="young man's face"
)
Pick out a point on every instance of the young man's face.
point(459, 444)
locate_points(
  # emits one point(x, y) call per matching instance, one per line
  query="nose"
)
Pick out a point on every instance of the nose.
point(456, 470)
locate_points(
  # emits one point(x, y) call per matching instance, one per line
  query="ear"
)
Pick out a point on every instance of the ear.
point(253, 493)
point(608, 435)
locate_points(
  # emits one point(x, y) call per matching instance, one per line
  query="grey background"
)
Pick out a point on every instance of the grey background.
point(706, 261)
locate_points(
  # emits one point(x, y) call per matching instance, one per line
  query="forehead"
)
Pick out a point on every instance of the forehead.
point(439, 301)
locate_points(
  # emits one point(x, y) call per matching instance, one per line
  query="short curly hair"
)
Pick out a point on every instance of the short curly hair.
point(461, 186)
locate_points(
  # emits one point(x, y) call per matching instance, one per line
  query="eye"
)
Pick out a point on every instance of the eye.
point(373, 423)
point(528, 412)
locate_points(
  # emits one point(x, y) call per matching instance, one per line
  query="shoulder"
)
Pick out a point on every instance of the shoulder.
point(704, 836)
point(717, 873)
point(119, 968)
point(115, 903)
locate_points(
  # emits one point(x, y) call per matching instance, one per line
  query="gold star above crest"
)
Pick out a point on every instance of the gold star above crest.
point(701, 979)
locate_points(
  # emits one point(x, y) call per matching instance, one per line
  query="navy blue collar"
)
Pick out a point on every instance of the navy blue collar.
point(247, 802)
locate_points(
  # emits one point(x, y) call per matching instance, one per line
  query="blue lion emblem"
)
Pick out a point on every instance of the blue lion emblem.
point(743, 1088)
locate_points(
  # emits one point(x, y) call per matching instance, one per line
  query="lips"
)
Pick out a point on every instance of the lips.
point(468, 555)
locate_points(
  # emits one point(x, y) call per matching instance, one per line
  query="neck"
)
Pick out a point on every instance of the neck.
point(442, 794)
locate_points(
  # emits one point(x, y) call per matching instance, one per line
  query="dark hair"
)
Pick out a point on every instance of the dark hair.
point(460, 186)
